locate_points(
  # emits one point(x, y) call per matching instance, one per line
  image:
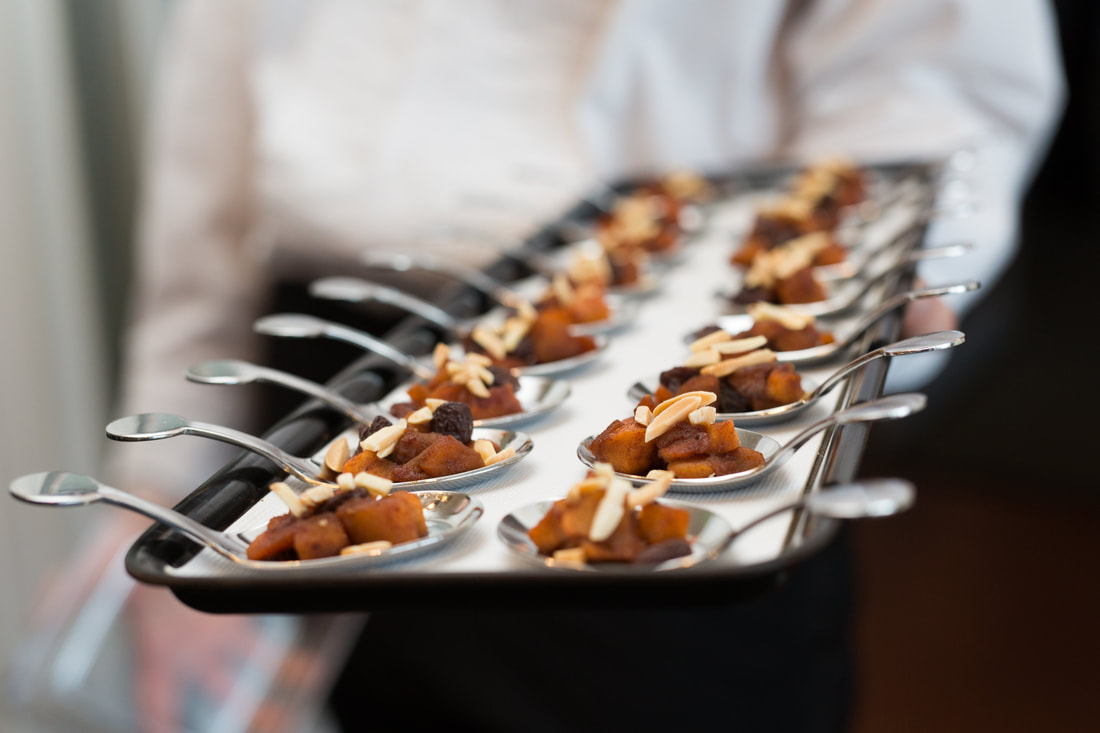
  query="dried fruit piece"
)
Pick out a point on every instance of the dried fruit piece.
point(454, 419)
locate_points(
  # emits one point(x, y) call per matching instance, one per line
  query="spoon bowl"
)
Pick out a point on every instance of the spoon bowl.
point(738, 323)
point(917, 345)
point(775, 455)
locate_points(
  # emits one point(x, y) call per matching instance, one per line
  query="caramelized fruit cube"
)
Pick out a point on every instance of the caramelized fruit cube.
point(622, 444)
point(396, 518)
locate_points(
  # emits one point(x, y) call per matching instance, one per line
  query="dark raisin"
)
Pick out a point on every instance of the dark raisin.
point(674, 378)
point(454, 419)
point(705, 331)
point(730, 400)
point(338, 499)
point(376, 424)
point(502, 376)
point(754, 295)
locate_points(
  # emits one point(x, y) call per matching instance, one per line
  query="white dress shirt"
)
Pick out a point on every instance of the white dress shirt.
point(334, 127)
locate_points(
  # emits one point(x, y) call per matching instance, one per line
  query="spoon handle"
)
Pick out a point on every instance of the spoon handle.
point(312, 389)
point(952, 250)
point(357, 290)
point(474, 278)
point(915, 345)
point(377, 346)
point(891, 304)
point(884, 408)
point(219, 541)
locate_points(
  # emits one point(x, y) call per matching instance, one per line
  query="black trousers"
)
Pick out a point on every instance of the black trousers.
point(778, 662)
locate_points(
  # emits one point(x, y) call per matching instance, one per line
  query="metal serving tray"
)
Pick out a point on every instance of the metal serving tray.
point(478, 570)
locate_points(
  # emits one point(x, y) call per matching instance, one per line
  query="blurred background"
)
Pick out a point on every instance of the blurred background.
point(975, 611)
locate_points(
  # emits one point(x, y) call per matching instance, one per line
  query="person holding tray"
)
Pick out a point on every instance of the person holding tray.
point(289, 132)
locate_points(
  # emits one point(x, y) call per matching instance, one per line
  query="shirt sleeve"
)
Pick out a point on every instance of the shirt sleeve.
point(878, 79)
point(198, 285)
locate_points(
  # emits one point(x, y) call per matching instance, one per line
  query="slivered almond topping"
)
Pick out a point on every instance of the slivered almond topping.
point(375, 485)
point(434, 403)
point(367, 547)
point(420, 417)
point(705, 398)
point(571, 556)
point(705, 342)
point(642, 415)
point(501, 455)
point(489, 341)
point(293, 503)
point(345, 481)
point(335, 458)
point(441, 355)
point(610, 511)
point(702, 359)
point(485, 449)
point(514, 331)
point(483, 374)
point(668, 417)
point(315, 495)
point(526, 312)
point(740, 345)
point(562, 290)
point(590, 483)
point(651, 491)
point(783, 316)
point(729, 366)
point(477, 387)
point(604, 471)
point(383, 441)
point(703, 416)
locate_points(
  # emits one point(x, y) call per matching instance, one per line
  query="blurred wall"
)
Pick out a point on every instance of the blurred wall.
point(72, 81)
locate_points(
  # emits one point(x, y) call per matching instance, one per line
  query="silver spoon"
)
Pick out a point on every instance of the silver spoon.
point(356, 290)
point(448, 514)
point(848, 295)
point(58, 488)
point(159, 425)
point(856, 500)
point(299, 325)
point(916, 345)
point(737, 323)
point(857, 262)
point(536, 395)
point(473, 277)
point(235, 371)
point(775, 455)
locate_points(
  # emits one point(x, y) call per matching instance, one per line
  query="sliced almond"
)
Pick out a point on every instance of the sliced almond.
point(703, 416)
point(335, 458)
point(375, 485)
point(651, 491)
point(514, 331)
point(702, 359)
point(740, 345)
point(663, 422)
point(642, 415)
point(420, 417)
point(489, 341)
point(434, 403)
point(315, 495)
point(573, 556)
point(367, 548)
point(484, 374)
point(705, 398)
point(526, 312)
point(610, 510)
point(729, 366)
point(477, 387)
point(499, 456)
point(383, 441)
point(441, 354)
point(705, 342)
point(604, 471)
point(783, 316)
point(562, 290)
point(345, 481)
point(485, 448)
point(586, 485)
point(293, 503)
